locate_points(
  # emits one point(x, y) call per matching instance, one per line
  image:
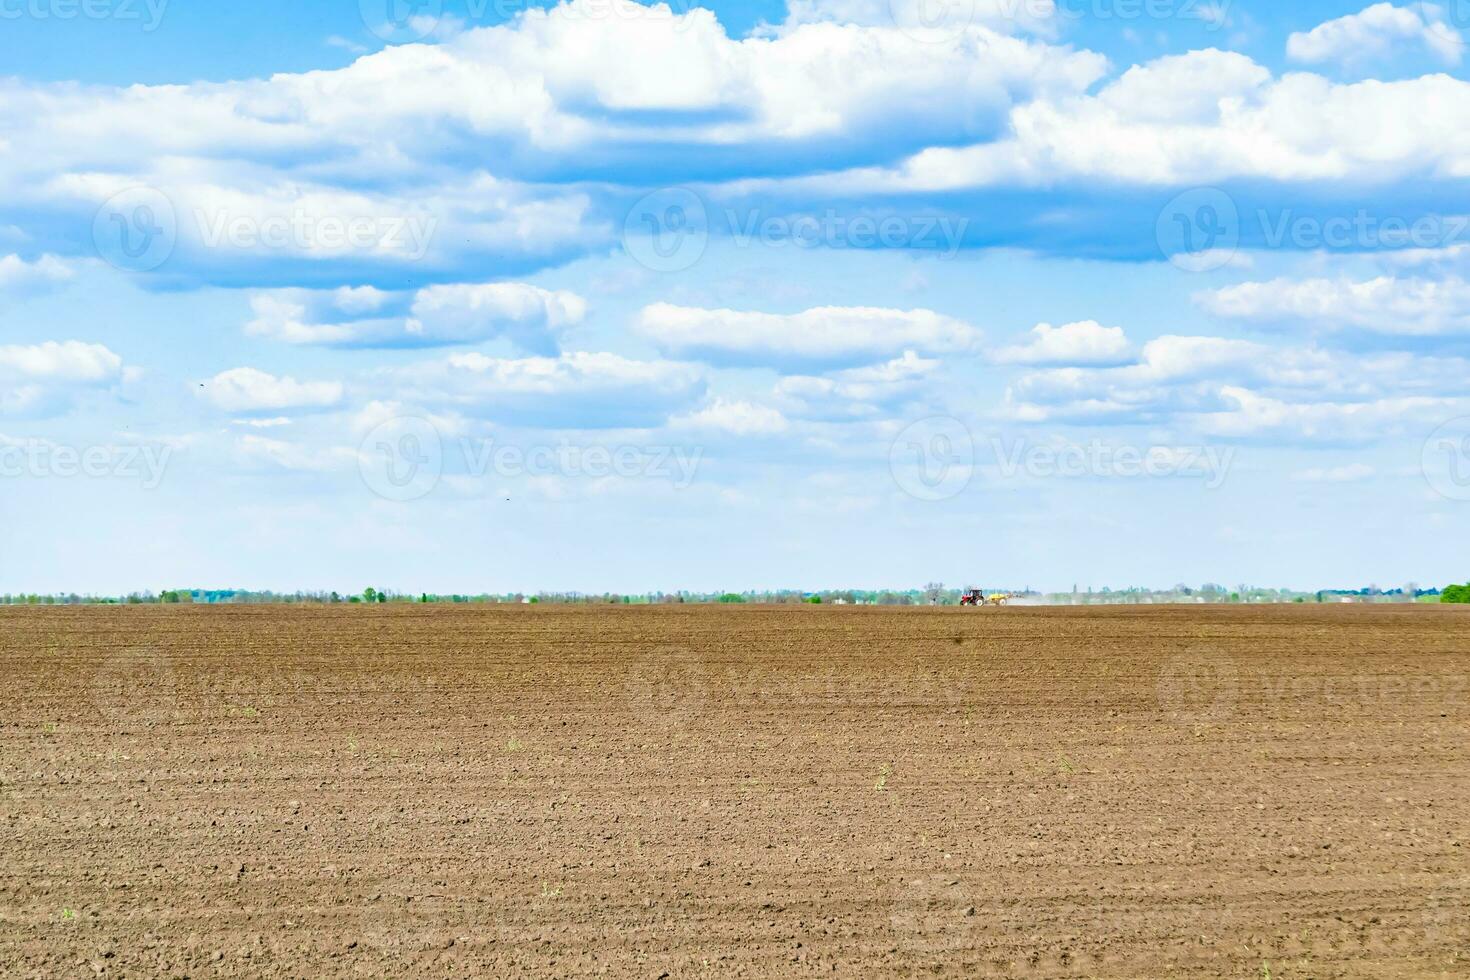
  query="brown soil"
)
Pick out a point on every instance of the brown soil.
point(711, 791)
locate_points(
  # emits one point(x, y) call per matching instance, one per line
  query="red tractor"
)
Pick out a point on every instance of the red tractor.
point(973, 597)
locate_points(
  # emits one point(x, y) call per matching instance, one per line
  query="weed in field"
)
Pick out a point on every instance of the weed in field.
point(1065, 766)
point(933, 915)
point(884, 771)
point(51, 728)
point(68, 915)
point(547, 891)
point(515, 745)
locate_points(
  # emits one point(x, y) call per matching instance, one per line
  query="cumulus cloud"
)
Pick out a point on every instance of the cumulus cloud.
point(381, 171)
point(39, 380)
point(1195, 119)
point(1386, 304)
point(1085, 342)
point(384, 163)
point(441, 315)
point(575, 390)
point(1005, 16)
point(249, 391)
point(735, 417)
point(1252, 414)
point(1240, 388)
point(1376, 32)
point(19, 277)
point(254, 451)
point(66, 362)
point(828, 336)
point(862, 393)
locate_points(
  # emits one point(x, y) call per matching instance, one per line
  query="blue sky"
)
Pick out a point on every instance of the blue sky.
point(601, 296)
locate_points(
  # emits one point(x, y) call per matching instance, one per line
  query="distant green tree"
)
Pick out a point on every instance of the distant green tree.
point(1455, 593)
point(732, 597)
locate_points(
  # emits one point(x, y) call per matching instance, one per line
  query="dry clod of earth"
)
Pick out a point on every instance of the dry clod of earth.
point(764, 791)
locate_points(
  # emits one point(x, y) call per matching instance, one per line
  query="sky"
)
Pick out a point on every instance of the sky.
point(471, 295)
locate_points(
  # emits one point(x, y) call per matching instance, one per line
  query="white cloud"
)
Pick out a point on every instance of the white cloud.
point(434, 316)
point(826, 336)
point(1375, 32)
point(249, 391)
point(938, 22)
point(255, 451)
point(379, 411)
point(861, 393)
point(1250, 413)
point(741, 418)
point(1389, 305)
point(46, 379)
point(17, 276)
point(65, 362)
point(1237, 388)
point(338, 41)
point(1196, 119)
point(1085, 342)
point(555, 91)
point(575, 390)
point(1347, 473)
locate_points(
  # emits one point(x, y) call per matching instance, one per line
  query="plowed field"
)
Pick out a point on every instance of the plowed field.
point(724, 791)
